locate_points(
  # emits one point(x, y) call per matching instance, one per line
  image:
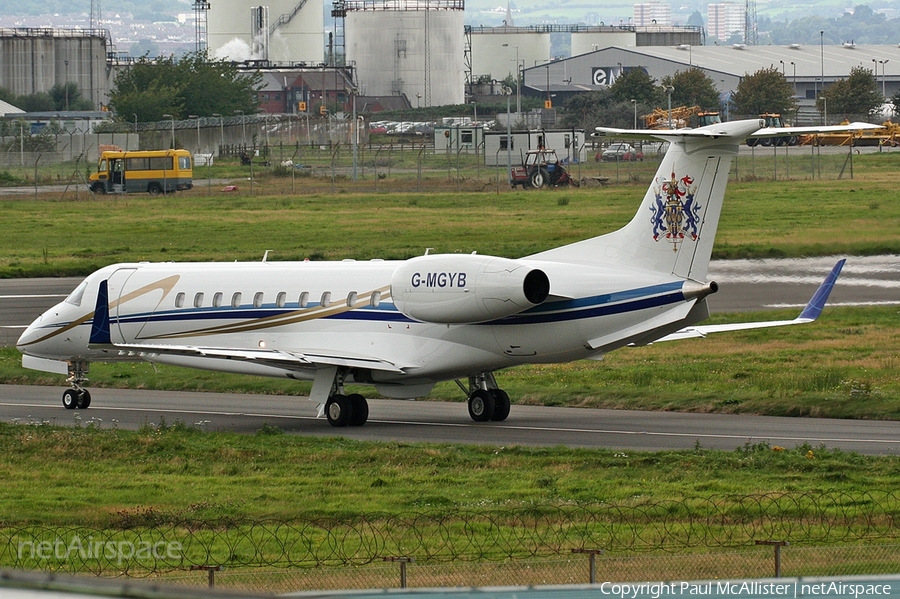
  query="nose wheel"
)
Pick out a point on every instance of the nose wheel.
point(77, 397)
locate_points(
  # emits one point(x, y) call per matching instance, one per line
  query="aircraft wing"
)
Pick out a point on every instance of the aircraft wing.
point(268, 357)
point(810, 313)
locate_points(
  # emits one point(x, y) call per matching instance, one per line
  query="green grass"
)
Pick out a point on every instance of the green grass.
point(112, 478)
point(52, 236)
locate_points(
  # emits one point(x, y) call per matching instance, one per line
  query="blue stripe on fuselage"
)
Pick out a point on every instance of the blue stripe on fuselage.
point(575, 309)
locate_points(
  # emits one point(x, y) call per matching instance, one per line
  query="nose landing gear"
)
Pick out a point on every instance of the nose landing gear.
point(77, 397)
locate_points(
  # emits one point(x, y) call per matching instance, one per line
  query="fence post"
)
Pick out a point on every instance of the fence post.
point(403, 561)
point(592, 556)
point(211, 573)
point(778, 545)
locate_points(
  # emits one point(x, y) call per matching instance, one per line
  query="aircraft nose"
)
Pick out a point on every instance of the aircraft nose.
point(29, 336)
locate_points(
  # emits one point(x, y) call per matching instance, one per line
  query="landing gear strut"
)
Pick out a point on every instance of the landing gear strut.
point(77, 397)
point(486, 401)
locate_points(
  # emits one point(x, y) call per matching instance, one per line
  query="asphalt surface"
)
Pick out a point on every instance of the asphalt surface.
point(744, 285)
point(445, 422)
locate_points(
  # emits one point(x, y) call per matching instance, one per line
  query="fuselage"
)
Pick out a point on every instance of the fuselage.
point(346, 308)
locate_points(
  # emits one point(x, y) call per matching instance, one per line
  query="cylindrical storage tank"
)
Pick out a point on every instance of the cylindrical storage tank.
point(408, 47)
point(496, 50)
point(296, 31)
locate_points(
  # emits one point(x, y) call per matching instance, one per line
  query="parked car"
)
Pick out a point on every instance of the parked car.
point(621, 151)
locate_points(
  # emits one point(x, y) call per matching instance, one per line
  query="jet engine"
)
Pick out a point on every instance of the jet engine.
point(466, 288)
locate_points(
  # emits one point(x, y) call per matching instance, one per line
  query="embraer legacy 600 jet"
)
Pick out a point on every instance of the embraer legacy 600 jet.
point(402, 326)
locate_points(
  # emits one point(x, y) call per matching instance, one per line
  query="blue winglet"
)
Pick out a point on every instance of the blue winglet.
point(100, 325)
point(817, 303)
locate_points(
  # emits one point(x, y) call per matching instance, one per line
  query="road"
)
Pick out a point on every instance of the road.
point(445, 422)
point(744, 285)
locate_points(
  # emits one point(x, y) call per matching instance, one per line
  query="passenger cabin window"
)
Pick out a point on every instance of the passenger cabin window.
point(179, 300)
point(351, 299)
point(326, 299)
point(198, 299)
point(304, 299)
point(376, 299)
point(217, 300)
point(280, 299)
point(258, 299)
point(236, 300)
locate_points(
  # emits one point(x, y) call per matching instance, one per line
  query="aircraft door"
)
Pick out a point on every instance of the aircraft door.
point(116, 285)
point(117, 175)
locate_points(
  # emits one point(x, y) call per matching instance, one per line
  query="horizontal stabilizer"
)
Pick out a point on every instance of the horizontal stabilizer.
point(809, 314)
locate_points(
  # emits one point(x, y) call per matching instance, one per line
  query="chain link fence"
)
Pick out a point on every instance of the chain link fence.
point(570, 569)
point(321, 150)
point(700, 538)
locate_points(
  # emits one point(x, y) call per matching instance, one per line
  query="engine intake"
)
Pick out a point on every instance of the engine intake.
point(466, 288)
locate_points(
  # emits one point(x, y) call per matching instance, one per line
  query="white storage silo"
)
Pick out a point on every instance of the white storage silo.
point(408, 47)
point(296, 31)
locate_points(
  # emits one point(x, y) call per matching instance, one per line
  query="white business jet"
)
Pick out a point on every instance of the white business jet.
point(403, 326)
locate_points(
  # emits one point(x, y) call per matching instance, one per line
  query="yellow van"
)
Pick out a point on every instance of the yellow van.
point(151, 171)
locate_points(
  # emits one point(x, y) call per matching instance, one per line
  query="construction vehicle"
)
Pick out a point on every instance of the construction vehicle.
point(540, 168)
point(682, 116)
point(773, 119)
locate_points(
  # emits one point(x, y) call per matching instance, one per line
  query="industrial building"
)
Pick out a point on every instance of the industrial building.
point(807, 68)
point(33, 60)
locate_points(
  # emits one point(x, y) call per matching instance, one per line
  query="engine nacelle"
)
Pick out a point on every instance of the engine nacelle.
point(466, 288)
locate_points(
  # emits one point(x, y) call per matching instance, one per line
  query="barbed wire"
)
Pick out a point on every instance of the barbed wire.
point(151, 542)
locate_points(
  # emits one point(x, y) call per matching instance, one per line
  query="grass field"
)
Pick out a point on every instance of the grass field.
point(112, 478)
point(51, 236)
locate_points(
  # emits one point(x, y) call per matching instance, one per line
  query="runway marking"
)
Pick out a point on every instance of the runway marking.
point(499, 426)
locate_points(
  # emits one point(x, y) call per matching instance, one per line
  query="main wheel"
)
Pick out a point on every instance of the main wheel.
point(501, 405)
point(481, 405)
point(70, 399)
point(84, 399)
point(360, 408)
point(154, 189)
point(338, 410)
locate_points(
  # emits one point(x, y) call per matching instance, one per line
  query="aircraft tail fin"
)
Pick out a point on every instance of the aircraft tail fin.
point(674, 229)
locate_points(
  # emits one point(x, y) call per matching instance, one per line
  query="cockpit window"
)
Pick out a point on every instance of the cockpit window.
point(76, 296)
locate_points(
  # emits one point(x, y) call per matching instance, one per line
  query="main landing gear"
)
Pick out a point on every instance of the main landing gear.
point(77, 397)
point(486, 401)
point(340, 409)
point(347, 410)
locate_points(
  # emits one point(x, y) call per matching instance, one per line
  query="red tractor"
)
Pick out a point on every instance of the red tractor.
point(541, 168)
